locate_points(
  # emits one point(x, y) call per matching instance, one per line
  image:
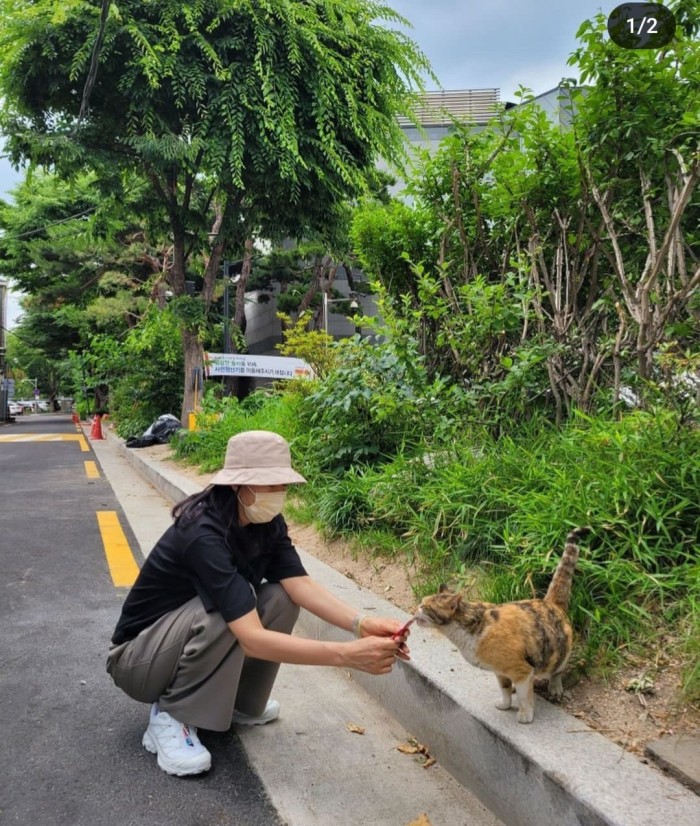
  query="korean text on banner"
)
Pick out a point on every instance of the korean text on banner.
point(263, 367)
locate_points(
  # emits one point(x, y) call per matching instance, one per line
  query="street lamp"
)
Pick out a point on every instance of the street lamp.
point(35, 391)
point(326, 301)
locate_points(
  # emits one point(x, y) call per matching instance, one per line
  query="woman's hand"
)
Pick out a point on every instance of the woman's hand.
point(375, 655)
point(387, 627)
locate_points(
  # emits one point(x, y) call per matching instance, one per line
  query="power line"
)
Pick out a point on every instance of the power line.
point(47, 226)
point(17, 335)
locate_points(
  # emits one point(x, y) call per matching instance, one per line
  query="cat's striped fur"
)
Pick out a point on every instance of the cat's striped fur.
point(518, 641)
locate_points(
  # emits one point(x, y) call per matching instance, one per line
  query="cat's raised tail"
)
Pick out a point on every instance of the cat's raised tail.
point(559, 591)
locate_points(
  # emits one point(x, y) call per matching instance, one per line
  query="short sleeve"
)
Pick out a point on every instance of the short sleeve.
point(284, 561)
point(218, 582)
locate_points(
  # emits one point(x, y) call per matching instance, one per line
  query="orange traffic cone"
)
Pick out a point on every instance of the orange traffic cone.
point(96, 432)
point(76, 418)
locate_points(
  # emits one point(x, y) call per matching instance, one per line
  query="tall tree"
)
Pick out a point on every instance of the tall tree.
point(264, 115)
point(533, 255)
point(637, 130)
point(82, 261)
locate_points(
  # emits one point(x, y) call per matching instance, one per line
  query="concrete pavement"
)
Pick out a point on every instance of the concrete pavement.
point(555, 771)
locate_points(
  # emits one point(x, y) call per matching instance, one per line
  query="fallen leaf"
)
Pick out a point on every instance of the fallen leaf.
point(414, 744)
point(642, 684)
point(421, 821)
point(353, 729)
point(414, 747)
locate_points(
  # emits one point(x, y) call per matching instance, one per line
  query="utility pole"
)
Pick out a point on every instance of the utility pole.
point(3, 350)
point(227, 307)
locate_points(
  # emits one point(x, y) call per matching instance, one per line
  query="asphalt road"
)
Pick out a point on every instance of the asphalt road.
point(71, 742)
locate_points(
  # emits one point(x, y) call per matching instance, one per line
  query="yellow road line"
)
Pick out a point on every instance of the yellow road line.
point(122, 565)
point(91, 470)
point(50, 437)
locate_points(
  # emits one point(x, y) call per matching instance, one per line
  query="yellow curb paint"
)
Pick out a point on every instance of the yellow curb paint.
point(122, 565)
point(91, 470)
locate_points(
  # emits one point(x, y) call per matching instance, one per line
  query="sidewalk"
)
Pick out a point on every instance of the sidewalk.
point(554, 772)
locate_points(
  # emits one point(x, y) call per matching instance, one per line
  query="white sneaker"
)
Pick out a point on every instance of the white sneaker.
point(272, 712)
point(176, 744)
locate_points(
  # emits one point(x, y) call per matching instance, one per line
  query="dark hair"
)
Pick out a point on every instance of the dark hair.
point(219, 497)
point(223, 500)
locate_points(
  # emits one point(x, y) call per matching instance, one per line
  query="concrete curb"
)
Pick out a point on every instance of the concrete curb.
point(554, 772)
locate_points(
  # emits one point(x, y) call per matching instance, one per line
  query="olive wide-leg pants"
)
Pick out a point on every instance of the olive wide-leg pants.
point(192, 665)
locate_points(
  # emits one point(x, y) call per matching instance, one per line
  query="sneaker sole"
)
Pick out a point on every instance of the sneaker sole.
point(149, 744)
point(253, 722)
point(244, 720)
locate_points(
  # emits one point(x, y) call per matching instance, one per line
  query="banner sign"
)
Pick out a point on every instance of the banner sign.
point(262, 367)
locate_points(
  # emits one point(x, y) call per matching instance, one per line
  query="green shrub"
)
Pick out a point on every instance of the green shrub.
point(343, 505)
point(375, 404)
point(138, 398)
point(506, 505)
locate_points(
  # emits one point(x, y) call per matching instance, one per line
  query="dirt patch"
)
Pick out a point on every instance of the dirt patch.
point(386, 578)
point(640, 703)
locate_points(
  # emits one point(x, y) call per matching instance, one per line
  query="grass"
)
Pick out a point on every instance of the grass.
point(206, 446)
point(690, 649)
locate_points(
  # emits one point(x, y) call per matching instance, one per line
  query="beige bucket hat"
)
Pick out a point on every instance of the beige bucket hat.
point(257, 457)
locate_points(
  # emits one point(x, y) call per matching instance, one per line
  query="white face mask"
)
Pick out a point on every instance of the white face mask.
point(265, 507)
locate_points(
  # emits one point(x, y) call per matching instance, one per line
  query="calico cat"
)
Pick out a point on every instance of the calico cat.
point(518, 641)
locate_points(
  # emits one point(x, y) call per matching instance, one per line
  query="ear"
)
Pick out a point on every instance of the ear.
point(455, 602)
point(443, 588)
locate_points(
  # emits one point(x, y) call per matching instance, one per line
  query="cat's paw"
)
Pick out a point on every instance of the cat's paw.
point(526, 715)
point(555, 689)
point(504, 705)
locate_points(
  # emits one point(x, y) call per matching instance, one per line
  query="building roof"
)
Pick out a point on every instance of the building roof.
point(441, 108)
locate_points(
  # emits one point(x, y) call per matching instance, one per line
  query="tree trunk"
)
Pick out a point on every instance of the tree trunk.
point(194, 373)
point(191, 346)
point(321, 263)
point(241, 386)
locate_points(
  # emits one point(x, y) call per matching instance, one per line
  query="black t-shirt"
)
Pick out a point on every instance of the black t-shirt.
point(210, 557)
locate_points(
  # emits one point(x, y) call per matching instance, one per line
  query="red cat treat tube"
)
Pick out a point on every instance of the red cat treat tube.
point(403, 629)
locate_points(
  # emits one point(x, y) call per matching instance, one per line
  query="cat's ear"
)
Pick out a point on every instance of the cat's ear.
point(455, 601)
point(443, 588)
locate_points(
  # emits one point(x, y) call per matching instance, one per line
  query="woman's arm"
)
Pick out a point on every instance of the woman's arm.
point(375, 655)
point(309, 594)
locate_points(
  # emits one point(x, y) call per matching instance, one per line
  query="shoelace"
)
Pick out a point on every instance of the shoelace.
point(187, 736)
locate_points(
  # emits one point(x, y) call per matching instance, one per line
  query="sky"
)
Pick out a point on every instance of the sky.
point(480, 44)
point(476, 44)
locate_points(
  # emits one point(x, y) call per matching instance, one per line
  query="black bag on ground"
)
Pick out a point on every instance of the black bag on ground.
point(158, 433)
